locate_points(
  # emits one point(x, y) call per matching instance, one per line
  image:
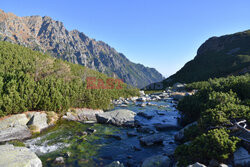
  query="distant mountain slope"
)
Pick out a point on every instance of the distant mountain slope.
point(45, 34)
point(217, 57)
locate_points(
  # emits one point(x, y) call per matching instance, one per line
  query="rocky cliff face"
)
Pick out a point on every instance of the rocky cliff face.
point(47, 35)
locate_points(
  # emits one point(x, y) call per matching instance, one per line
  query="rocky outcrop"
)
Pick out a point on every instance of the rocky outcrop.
point(197, 164)
point(241, 157)
point(120, 117)
point(83, 115)
point(19, 119)
point(38, 121)
point(17, 132)
point(157, 161)
point(47, 35)
point(11, 156)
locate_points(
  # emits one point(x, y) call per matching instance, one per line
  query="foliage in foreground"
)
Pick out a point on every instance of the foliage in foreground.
point(215, 144)
point(30, 80)
point(217, 103)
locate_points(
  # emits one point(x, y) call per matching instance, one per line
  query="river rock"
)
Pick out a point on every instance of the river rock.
point(241, 157)
point(18, 132)
point(38, 121)
point(82, 115)
point(180, 135)
point(157, 161)
point(11, 156)
point(147, 115)
point(152, 139)
point(59, 160)
point(142, 99)
point(142, 93)
point(120, 117)
point(19, 119)
point(165, 127)
point(197, 164)
point(115, 164)
point(146, 129)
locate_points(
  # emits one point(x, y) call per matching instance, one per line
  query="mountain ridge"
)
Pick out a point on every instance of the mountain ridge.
point(216, 57)
point(47, 35)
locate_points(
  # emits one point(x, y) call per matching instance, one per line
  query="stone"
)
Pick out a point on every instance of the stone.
point(11, 156)
point(142, 93)
point(85, 114)
point(152, 139)
point(197, 164)
point(18, 132)
point(38, 121)
point(157, 161)
point(91, 130)
point(146, 129)
point(142, 99)
point(59, 160)
point(115, 136)
point(180, 135)
point(147, 115)
point(19, 119)
point(131, 134)
point(115, 164)
point(165, 127)
point(120, 117)
point(241, 157)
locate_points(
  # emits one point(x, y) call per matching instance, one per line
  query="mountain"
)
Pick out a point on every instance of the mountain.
point(217, 57)
point(47, 35)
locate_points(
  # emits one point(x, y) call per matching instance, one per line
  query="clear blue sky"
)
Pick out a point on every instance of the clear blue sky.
point(164, 34)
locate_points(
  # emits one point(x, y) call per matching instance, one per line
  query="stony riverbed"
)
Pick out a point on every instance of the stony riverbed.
point(79, 144)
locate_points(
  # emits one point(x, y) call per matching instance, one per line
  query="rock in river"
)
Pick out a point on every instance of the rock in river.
point(120, 117)
point(11, 156)
point(152, 139)
point(157, 161)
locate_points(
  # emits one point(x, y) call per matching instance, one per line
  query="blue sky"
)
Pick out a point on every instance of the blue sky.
point(163, 34)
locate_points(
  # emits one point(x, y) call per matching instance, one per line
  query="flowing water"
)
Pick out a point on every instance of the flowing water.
point(68, 140)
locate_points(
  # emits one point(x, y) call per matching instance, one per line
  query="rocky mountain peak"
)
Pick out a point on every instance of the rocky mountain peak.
point(47, 35)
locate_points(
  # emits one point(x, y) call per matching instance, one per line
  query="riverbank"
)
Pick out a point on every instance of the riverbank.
point(143, 120)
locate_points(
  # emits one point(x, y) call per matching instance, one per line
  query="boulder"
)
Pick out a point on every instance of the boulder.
point(165, 127)
point(142, 93)
point(180, 135)
point(120, 117)
point(19, 119)
point(147, 115)
point(152, 139)
point(241, 157)
point(38, 121)
point(157, 161)
point(197, 164)
point(18, 132)
point(82, 115)
point(11, 156)
point(115, 164)
point(142, 99)
point(146, 129)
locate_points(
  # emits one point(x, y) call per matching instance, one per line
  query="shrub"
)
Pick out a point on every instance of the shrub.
point(216, 144)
